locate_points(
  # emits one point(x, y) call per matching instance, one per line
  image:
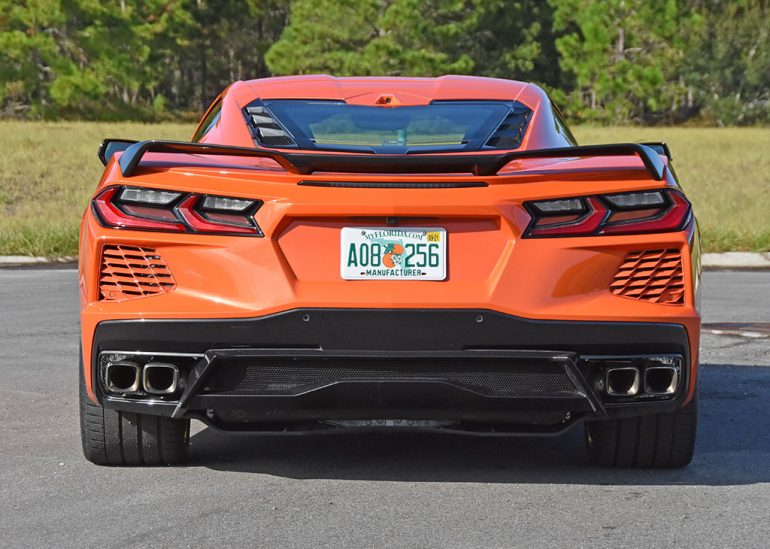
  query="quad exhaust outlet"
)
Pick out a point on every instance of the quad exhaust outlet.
point(622, 381)
point(656, 379)
point(130, 376)
point(123, 377)
point(160, 378)
point(661, 380)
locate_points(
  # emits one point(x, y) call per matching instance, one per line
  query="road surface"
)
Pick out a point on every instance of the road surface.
point(373, 491)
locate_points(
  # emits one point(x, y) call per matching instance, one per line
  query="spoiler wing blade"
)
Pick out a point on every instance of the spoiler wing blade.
point(305, 163)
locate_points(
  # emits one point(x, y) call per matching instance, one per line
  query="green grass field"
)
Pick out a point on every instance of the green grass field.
point(49, 170)
point(725, 173)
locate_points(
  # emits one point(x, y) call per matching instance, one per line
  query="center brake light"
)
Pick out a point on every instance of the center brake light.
point(160, 210)
point(610, 214)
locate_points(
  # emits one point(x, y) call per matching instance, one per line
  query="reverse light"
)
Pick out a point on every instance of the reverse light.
point(621, 213)
point(148, 196)
point(560, 207)
point(632, 201)
point(226, 203)
point(160, 210)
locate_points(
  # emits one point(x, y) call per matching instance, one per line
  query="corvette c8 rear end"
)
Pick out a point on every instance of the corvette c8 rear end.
point(332, 255)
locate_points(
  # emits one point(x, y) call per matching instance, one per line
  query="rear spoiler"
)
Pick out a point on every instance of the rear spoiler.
point(660, 147)
point(306, 163)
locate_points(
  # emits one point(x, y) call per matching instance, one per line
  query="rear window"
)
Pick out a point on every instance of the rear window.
point(336, 125)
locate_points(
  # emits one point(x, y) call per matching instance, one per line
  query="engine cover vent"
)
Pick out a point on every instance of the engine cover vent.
point(269, 132)
point(511, 132)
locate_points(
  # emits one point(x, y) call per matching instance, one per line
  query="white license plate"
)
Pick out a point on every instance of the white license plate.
point(393, 253)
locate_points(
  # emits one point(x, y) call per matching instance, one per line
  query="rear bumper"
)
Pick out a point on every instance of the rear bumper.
point(407, 359)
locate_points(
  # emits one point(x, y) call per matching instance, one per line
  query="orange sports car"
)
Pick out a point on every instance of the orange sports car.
point(332, 255)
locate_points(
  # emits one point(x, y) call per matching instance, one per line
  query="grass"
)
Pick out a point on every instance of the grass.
point(49, 170)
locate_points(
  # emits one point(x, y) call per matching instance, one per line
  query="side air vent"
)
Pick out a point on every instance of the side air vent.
point(266, 129)
point(129, 272)
point(651, 275)
point(511, 132)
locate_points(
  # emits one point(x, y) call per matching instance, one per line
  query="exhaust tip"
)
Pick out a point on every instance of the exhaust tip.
point(622, 381)
point(160, 378)
point(661, 380)
point(122, 377)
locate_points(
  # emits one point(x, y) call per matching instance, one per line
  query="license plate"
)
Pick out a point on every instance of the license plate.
point(386, 253)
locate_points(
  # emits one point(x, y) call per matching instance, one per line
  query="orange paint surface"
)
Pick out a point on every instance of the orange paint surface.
point(296, 264)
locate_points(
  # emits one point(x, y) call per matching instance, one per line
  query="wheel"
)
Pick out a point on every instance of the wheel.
point(120, 438)
point(661, 441)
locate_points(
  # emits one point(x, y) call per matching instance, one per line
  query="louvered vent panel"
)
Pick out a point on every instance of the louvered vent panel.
point(511, 132)
point(651, 275)
point(129, 272)
point(269, 132)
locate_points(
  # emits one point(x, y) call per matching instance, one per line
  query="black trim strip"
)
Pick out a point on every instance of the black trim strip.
point(395, 184)
point(389, 330)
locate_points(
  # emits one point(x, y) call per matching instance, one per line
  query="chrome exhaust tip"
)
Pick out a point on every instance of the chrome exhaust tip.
point(122, 377)
point(160, 378)
point(661, 380)
point(622, 381)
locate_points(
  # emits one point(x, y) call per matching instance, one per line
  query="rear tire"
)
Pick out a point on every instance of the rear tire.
point(660, 441)
point(110, 437)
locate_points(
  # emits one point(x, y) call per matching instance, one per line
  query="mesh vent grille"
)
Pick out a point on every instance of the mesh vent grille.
point(651, 275)
point(129, 272)
point(269, 132)
point(283, 376)
point(511, 132)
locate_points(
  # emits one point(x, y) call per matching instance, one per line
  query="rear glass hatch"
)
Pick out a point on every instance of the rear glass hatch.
point(441, 126)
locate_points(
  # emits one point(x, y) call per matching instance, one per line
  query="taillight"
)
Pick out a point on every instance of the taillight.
point(572, 217)
point(158, 210)
point(204, 219)
point(621, 213)
point(109, 211)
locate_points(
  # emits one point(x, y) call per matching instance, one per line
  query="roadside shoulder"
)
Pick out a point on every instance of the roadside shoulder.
point(725, 260)
point(736, 260)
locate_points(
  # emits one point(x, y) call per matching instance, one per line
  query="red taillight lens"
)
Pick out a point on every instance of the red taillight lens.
point(568, 221)
point(107, 208)
point(623, 213)
point(670, 216)
point(207, 221)
point(158, 210)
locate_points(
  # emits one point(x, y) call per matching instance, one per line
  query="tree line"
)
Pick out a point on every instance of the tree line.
point(604, 61)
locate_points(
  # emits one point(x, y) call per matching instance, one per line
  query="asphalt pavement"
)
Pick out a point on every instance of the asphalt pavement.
point(377, 491)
